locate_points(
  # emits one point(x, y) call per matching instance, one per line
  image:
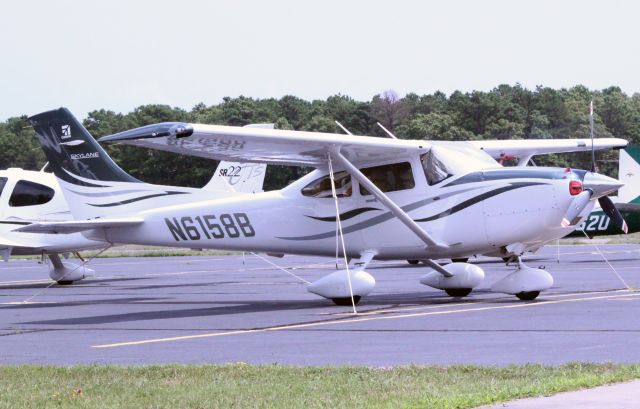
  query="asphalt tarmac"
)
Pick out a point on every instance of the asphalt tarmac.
point(217, 309)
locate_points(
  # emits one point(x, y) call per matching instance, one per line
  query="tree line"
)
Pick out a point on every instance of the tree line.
point(505, 112)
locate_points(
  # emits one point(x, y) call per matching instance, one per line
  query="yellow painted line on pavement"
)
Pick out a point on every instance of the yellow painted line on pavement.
point(356, 320)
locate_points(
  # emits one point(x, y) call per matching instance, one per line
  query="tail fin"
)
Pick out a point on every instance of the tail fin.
point(73, 154)
point(93, 185)
point(238, 177)
point(629, 173)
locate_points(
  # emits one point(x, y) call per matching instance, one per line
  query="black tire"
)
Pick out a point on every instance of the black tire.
point(458, 292)
point(460, 260)
point(346, 301)
point(413, 262)
point(528, 295)
point(65, 282)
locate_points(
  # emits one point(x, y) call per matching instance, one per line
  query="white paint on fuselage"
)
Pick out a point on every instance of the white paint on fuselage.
point(529, 215)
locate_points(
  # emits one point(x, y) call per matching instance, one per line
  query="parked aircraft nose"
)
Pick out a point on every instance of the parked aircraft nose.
point(600, 185)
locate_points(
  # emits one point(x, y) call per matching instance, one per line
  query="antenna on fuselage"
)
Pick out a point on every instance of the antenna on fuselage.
point(388, 132)
point(343, 128)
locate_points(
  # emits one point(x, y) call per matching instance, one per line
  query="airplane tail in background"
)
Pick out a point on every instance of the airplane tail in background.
point(238, 177)
point(629, 173)
point(93, 185)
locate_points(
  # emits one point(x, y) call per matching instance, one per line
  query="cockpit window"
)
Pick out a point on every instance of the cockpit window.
point(322, 187)
point(434, 169)
point(446, 160)
point(3, 181)
point(390, 178)
point(30, 194)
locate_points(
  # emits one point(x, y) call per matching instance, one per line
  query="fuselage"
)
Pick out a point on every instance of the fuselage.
point(473, 213)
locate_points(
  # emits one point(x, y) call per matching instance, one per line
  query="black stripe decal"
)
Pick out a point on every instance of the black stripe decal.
point(388, 216)
point(346, 215)
point(381, 218)
point(479, 198)
point(18, 223)
point(137, 199)
point(104, 194)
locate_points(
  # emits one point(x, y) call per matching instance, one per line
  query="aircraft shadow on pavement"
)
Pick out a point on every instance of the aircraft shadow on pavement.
point(41, 285)
point(239, 307)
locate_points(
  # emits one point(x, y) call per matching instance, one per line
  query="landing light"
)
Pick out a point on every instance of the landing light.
point(575, 187)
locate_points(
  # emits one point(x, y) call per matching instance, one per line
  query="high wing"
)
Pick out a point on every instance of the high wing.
point(310, 148)
point(526, 148)
point(73, 226)
point(272, 146)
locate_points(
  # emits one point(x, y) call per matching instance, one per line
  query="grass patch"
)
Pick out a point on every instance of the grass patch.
point(247, 386)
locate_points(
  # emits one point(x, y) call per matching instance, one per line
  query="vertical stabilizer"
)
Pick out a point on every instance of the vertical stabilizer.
point(73, 154)
point(629, 174)
point(93, 185)
point(238, 177)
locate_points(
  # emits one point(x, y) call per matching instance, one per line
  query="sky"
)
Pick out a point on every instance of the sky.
point(118, 55)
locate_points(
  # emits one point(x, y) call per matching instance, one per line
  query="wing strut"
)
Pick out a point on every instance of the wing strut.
point(394, 208)
point(339, 225)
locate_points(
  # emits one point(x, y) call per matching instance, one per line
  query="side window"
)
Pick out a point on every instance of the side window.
point(29, 194)
point(322, 187)
point(389, 178)
point(3, 181)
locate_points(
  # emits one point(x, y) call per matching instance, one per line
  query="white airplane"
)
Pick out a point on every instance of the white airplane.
point(453, 197)
point(29, 196)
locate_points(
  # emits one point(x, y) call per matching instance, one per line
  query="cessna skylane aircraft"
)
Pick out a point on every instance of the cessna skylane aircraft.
point(29, 196)
point(384, 199)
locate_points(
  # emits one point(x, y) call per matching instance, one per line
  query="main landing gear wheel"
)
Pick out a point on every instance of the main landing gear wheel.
point(346, 301)
point(460, 260)
point(528, 295)
point(458, 292)
point(413, 262)
point(65, 282)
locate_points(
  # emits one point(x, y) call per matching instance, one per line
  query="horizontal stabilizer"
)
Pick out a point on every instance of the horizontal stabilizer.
point(75, 226)
point(10, 243)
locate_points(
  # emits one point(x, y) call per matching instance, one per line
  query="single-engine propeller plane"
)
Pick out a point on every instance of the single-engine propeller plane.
point(385, 199)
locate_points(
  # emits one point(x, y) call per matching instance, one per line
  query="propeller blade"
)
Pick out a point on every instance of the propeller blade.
point(612, 211)
point(576, 207)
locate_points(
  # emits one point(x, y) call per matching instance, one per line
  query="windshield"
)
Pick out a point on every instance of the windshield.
point(447, 159)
